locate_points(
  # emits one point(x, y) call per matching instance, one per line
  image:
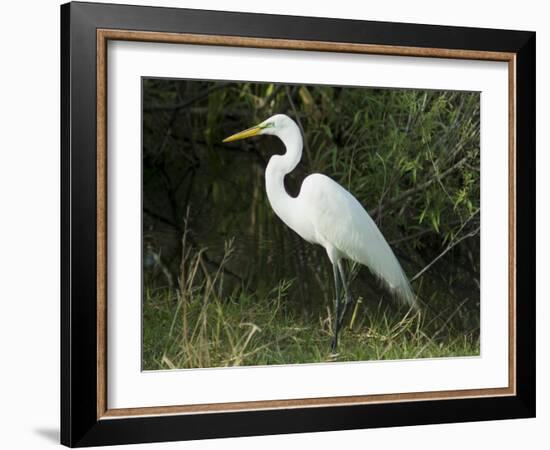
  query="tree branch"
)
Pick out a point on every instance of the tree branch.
point(444, 252)
point(417, 188)
point(207, 259)
point(187, 103)
point(306, 146)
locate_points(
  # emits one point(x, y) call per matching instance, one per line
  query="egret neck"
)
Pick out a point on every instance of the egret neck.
point(280, 165)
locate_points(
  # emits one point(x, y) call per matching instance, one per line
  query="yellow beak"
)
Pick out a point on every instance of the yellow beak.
point(253, 131)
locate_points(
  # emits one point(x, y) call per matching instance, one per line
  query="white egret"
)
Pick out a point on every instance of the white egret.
point(325, 213)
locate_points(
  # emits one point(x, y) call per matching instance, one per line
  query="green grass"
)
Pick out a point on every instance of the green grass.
point(198, 326)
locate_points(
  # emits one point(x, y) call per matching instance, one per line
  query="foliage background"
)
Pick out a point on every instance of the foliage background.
point(227, 283)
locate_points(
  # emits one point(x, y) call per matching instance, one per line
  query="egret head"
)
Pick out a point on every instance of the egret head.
point(275, 125)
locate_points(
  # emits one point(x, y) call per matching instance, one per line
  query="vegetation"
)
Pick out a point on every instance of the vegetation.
point(227, 283)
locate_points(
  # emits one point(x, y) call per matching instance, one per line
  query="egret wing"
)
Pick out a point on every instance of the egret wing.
point(340, 221)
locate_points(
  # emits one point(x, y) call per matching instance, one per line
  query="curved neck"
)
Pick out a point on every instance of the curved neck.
point(278, 167)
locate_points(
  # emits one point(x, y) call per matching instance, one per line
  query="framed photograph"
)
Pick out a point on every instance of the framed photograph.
point(277, 224)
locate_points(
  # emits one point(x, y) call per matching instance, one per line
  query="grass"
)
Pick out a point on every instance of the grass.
point(200, 325)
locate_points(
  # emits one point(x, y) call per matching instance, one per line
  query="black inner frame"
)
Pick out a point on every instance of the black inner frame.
point(79, 423)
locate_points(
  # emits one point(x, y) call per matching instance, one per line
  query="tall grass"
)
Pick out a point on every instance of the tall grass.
point(206, 323)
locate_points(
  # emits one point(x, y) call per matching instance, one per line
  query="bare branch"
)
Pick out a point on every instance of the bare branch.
point(444, 252)
point(187, 103)
point(306, 146)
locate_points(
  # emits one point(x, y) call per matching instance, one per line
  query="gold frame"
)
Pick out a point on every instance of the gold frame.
point(103, 36)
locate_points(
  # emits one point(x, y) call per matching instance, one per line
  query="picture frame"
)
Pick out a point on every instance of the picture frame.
point(86, 29)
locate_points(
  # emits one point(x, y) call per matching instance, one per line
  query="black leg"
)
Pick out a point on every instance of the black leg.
point(336, 325)
point(349, 299)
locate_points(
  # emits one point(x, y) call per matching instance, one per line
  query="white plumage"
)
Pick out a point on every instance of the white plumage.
point(353, 235)
point(325, 213)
